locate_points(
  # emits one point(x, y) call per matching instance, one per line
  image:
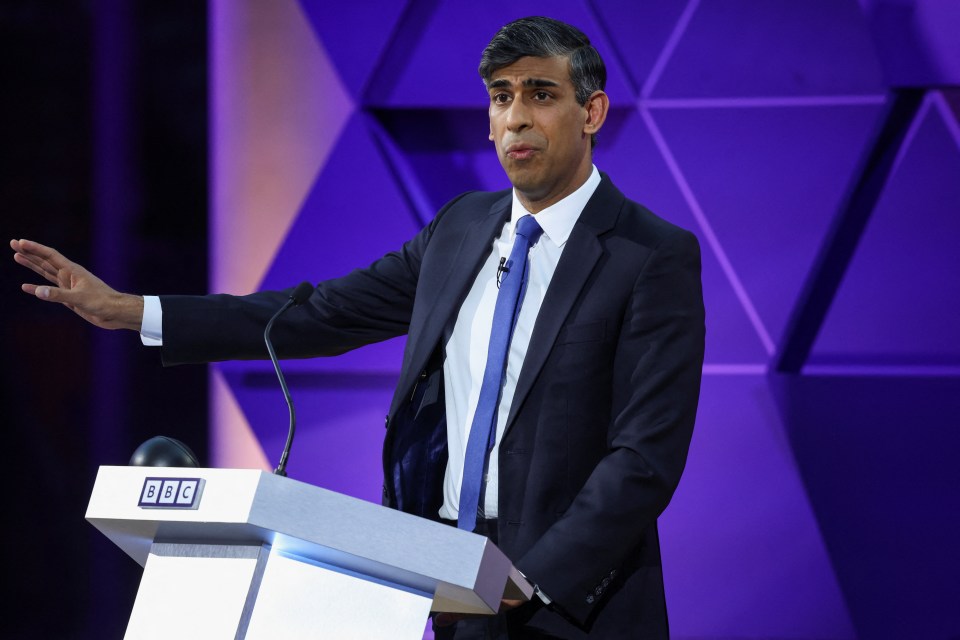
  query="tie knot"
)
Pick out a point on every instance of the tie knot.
point(529, 228)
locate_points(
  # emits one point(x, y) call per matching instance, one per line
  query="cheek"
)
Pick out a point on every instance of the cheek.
point(496, 132)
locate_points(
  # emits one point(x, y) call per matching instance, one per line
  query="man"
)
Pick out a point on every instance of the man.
point(592, 417)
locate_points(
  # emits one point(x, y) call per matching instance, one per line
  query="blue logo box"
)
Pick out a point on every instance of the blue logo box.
point(171, 493)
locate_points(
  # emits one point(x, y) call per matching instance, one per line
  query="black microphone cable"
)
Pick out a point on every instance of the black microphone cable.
point(298, 297)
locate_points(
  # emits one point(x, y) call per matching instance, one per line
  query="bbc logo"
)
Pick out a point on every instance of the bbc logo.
point(171, 493)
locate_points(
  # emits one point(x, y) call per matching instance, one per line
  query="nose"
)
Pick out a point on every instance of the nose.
point(518, 116)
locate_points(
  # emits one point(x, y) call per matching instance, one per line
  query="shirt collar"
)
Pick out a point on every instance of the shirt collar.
point(558, 219)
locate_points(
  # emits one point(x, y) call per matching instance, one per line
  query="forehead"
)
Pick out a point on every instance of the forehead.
point(555, 68)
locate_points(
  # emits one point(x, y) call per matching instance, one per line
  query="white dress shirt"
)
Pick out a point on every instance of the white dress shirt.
point(466, 342)
point(467, 339)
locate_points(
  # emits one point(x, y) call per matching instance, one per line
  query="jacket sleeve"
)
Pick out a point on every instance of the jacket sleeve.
point(365, 306)
point(656, 384)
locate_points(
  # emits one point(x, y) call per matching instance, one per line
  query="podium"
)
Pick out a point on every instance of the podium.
point(246, 554)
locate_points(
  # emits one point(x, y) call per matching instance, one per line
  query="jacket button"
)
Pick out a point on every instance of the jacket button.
point(590, 599)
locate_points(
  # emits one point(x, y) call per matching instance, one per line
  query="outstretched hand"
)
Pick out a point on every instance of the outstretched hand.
point(76, 288)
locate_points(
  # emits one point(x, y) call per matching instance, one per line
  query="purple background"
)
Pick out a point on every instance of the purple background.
point(820, 500)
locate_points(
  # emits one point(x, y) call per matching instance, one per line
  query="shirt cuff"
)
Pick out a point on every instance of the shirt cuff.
point(151, 329)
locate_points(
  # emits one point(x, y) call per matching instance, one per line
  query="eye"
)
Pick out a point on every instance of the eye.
point(541, 96)
point(500, 98)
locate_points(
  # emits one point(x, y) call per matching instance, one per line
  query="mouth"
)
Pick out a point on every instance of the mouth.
point(520, 151)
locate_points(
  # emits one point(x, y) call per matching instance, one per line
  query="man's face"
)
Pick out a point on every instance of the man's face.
point(539, 129)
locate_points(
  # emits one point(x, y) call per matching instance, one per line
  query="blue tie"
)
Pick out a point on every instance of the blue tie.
point(483, 432)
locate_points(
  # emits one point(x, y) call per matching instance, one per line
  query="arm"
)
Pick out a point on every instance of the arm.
point(368, 305)
point(76, 288)
point(365, 306)
point(655, 389)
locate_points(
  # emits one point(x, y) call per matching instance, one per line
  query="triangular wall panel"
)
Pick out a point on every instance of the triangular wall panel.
point(334, 233)
point(355, 34)
point(639, 32)
point(877, 455)
point(637, 167)
point(743, 487)
point(339, 422)
point(901, 294)
point(279, 108)
point(343, 217)
point(764, 48)
point(751, 169)
point(434, 62)
point(440, 152)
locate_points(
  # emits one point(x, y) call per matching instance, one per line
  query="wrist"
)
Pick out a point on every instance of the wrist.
point(129, 312)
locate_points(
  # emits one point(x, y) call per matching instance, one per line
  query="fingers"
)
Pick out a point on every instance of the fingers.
point(42, 260)
point(40, 267)
point(51, 255)
point(506, 605)
point(49, 264)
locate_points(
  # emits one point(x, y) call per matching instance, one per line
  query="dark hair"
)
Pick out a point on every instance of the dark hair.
point(544, 38)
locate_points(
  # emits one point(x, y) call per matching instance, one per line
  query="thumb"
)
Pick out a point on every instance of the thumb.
point(51, 294)
point(44, 292)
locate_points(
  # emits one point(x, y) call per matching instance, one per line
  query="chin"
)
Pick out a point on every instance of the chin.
point(523, 180)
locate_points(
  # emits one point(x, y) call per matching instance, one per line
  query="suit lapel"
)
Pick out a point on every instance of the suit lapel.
point(474, 247)
point(579, 258)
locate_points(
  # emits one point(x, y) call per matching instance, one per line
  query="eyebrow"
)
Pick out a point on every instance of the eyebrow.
point(528, 82)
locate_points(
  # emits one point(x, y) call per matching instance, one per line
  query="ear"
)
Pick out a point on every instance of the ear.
point(490, 137)
point(596, 106)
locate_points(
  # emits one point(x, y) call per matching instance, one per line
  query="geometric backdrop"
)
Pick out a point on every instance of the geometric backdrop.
point(820, 498)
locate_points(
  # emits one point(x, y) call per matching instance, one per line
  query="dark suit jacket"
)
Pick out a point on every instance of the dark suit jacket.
point(601, 420)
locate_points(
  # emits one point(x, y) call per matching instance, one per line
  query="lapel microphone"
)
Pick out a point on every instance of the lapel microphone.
point(298, 297)
point(502, 268)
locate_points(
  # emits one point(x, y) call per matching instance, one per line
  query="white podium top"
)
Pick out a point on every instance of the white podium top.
point(465, 572)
